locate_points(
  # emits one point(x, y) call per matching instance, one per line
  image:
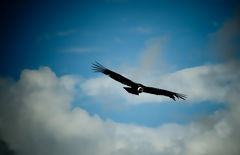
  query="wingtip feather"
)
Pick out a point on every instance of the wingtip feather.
point(97, 67)
point(182, 96)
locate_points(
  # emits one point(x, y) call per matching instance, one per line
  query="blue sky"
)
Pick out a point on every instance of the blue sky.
point(68, 37)
point(42, 33)
point(174, 45)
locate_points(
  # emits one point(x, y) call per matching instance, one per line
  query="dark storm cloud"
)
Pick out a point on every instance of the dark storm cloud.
point(4, 148)
point(225, 42)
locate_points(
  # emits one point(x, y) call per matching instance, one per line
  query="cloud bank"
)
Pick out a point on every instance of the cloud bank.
point(36, 118)
point(36, 115)
point(202, 83)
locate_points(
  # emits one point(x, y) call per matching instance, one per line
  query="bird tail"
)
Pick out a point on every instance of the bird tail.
point(131, 90)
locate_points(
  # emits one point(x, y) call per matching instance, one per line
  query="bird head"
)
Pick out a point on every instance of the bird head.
point(140, 89)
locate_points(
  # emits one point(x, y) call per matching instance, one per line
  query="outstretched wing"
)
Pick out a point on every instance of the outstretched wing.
point(170, 94)
point(97, 67)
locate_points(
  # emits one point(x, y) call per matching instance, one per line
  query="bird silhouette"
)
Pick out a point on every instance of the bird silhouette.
point(133, 87)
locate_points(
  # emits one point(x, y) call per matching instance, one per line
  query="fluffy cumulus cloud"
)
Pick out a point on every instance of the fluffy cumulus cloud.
point(36, 118)
point(36, 115)
point(202, 83)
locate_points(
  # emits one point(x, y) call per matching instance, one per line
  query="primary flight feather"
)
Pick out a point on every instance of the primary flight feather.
point(135, 88)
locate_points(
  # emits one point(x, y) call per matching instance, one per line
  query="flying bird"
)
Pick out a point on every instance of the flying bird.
point(135, 88)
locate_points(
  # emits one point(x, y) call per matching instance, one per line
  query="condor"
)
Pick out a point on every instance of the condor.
point(136, 88)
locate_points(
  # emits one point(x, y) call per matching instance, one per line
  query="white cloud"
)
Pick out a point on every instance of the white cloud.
point(143, 30)
point(118, 40)
point(36, 115)
point(209, 82)
point(225, 41)
point(78, 50)
point(49, 36)
point(151, 55)
point(140, 30)
point(36, 118)
point(66, 33)
point(116, 1)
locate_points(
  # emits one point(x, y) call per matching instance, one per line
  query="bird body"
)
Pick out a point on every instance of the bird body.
point(136, 88)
